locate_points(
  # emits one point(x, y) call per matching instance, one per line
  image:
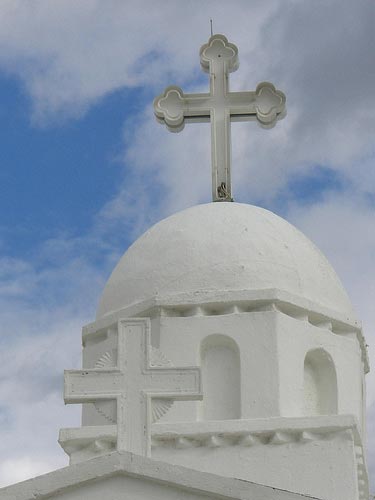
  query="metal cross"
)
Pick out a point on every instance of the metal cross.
point(133, 383)
point(220, 107)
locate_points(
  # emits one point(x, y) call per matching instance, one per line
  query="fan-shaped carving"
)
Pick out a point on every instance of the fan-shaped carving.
point(158, 358)
point(160, 408)
point(107, 360)
point(106, 409)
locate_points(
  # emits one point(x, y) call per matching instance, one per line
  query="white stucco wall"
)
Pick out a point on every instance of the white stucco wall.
point(324, 468)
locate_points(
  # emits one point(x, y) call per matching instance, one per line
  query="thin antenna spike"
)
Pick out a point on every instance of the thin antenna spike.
point(212, 31)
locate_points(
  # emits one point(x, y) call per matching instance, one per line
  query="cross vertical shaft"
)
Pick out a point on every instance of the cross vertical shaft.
point(220, 131)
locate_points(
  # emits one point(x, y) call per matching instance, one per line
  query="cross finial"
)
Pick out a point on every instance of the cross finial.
point(220, 107)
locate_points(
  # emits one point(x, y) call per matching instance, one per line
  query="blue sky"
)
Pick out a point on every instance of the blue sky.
point(85, 168)
point(55, 178)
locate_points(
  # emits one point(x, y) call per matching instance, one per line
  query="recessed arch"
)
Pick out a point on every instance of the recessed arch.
point(221, 376)
point(320, 384)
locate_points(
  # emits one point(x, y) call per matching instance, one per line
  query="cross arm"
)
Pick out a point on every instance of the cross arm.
point(176, 383)
point(265, 104)
point(83, 386)
point(173, 106)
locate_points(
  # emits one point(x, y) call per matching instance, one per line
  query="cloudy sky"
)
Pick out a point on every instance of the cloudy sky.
point(85, 168)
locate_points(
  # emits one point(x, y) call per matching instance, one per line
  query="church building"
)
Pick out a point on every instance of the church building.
point(226, 360)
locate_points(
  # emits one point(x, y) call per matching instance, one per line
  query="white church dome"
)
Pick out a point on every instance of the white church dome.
point(222, 247)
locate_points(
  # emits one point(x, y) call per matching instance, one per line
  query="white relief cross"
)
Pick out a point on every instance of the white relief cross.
point(220, 107)
point(133, 383)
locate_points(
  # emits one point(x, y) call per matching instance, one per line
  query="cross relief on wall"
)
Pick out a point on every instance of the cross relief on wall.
point(133, 383)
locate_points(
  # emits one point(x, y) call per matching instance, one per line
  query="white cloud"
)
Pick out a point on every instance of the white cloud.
point(15, 470)
point(329, 87)
point(44, 302)
point(31, 381)
point(69, 53)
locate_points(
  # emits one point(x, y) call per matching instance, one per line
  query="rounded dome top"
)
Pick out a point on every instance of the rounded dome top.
point(222, 247)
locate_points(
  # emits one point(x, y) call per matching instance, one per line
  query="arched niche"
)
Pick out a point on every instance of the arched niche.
point(320, 384)
point(221, 377)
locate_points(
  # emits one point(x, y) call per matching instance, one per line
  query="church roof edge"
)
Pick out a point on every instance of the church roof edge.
point(128, 464)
